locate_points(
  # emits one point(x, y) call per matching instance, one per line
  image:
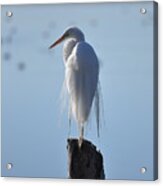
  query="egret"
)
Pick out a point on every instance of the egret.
point(81, 75)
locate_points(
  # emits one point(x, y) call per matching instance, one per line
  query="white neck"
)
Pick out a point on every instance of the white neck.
point(68, 47)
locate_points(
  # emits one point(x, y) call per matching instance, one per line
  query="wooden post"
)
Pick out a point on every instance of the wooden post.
point(84, 162)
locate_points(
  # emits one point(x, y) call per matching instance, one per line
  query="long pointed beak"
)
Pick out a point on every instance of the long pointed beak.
point(57, 42)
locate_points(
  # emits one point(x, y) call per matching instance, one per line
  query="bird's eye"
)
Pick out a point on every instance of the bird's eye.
point(66, 34)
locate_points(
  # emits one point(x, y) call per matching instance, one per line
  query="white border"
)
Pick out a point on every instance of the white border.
point(48, 182)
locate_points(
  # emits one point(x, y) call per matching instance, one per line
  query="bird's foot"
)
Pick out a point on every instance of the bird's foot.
point(80, 141)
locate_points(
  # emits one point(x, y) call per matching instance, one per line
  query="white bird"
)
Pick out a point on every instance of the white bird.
point(81, 75)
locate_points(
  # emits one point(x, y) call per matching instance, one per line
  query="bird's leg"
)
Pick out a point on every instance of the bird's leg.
point(69, 130)
point(69, 120)
point(81, 135)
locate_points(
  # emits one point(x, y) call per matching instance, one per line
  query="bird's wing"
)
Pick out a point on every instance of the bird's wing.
point(82, 70)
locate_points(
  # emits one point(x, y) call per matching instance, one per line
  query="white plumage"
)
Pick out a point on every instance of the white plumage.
point(81, 74)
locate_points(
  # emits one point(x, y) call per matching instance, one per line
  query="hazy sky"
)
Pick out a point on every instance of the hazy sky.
point(34, 125)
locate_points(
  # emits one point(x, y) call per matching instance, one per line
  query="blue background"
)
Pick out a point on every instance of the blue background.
point(34, 125)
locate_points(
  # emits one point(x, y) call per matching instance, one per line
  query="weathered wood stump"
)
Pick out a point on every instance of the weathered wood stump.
point(85, 162)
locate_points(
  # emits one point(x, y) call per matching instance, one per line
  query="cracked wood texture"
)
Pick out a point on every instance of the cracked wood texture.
point(85, 162)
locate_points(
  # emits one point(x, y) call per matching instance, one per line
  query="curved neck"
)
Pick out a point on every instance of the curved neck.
point(68, 47)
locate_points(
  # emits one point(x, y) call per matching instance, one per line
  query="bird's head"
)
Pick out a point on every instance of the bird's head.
point(72, 32)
